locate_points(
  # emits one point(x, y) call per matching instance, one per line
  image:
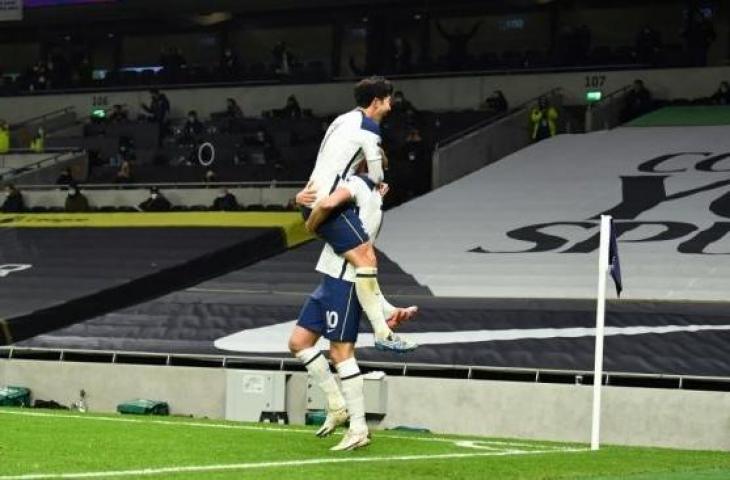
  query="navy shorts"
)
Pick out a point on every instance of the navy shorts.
point(343, 229)
point(332, 311)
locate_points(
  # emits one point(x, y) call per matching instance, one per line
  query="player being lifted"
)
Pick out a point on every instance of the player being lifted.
point(353, 137)
point(334, 312)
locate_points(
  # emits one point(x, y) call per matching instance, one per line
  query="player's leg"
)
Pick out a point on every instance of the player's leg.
point(343, 313)
point(346, 235)
point(304, 336)
point(343, 354)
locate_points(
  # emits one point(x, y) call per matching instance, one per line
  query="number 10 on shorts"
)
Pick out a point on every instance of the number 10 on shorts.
point(332, 319)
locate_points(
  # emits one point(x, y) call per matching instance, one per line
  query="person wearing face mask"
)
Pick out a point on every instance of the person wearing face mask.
point(13, 200)
point(76, 201)
point(156, 202)
point(225, 201)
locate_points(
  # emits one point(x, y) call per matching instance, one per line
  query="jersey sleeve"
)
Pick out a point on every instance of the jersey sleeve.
point(370, 144)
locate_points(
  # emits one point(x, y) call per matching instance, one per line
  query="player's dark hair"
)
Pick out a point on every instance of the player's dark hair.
point(371, 88)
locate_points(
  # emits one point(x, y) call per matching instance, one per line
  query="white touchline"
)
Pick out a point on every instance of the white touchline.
point(461, 442)
point(273, 338)
point(287, 463)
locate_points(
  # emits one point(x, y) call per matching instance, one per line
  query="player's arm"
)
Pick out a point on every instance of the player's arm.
point(323, 209)
point(370, 144)
point(306, 196)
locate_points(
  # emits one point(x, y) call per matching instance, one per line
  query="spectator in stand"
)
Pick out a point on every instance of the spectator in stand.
point(637, 102)
point(229, 67)
point(210, 176)
point(118, 114)
point(4, 137)
point(192, 129)
point(225, 201)
point(458, 53)
point(38, 143)
point(158, 109)
point(283, 59)
point(401, 55)
point(263, 151)
point(722, 95)
point(400, 105)
point(124, 174)
point(76, 201)
point(496, 103)
point(156, 202)
point(699, 34)
point(292, 108)
point(648, 45)
point(544, 119)
point(13, 200)
point(233, 110)
point(65, 177)
point(38, 76)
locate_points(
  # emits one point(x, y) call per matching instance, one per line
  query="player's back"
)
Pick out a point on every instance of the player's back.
point(342, 149)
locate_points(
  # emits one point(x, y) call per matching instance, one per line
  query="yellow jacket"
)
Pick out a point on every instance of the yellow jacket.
point(37, 144)
point(4, 140)
point(536, 116)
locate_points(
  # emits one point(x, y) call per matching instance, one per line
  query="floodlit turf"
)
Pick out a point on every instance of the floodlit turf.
point(36, 444)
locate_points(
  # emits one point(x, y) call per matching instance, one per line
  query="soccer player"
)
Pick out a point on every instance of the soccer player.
point(334, 312)
point(350, 139)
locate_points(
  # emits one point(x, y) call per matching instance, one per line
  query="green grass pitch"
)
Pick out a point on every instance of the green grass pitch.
point(37, 444)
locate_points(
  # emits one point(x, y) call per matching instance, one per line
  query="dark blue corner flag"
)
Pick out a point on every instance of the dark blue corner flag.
point(613, 261)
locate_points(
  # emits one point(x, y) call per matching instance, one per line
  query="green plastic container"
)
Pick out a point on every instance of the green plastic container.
point(144, 407)
point(315, 417)
point(14, 397)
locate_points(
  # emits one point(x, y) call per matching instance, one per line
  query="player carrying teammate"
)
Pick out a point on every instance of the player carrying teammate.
point(354, 137)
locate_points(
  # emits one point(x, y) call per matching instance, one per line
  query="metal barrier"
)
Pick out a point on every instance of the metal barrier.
point(485, 143)
point(60, 157)
point(606, 113)
point(22, 133)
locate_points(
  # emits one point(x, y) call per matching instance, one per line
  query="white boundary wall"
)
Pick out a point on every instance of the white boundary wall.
point(631, 416)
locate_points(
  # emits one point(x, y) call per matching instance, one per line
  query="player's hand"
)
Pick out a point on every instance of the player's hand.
point(309, 226)
point(383, 189)
point(306, 196)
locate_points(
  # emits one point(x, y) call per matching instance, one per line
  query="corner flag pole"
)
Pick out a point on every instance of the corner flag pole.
point(600, 327)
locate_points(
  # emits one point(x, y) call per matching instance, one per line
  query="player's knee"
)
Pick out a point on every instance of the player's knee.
point(296, 345)
point(363, 255)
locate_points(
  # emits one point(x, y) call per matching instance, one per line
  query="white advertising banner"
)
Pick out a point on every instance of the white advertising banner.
point(527, 226)
point(11, 10)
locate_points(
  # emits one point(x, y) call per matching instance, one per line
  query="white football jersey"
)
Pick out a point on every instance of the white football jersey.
point(351, 138)
point(370, 204)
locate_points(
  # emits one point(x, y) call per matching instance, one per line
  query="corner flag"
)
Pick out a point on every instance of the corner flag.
point(613, 261)
point(607, 263)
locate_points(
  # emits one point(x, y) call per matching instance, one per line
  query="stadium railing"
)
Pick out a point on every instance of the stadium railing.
point(606, 113)
point(486, 142)
point(405, 369)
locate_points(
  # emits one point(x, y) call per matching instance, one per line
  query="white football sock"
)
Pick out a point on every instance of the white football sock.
point(386, 306)
point(353, 391)
point(368, 293)
point(319, 369)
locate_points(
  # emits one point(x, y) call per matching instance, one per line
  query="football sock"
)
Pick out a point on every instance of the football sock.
point(387, 308)
point(368, 293)
point(319, 369)
point(353, 391)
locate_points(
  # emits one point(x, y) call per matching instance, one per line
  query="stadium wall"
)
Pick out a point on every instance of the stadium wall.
point(559, 412)
point(177, 196)
point(438, 94)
